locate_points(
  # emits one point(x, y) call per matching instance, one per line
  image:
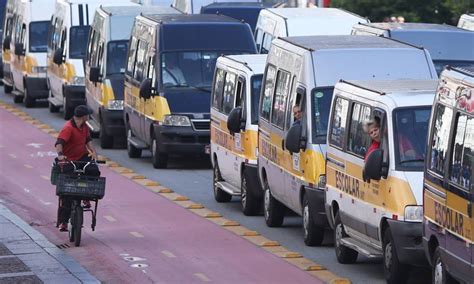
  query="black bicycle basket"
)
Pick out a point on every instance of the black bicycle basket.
point(86, 187)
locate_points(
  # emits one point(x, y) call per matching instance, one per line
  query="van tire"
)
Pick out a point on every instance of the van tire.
point(344, 254)
point(313, 235)
point(7, 89)
point(52, 108)
point(132, 151)
point(219, 195)
point(250, 204)
point(29, 102)
point(106, 141)
point(273, 210)
point(68, 111)
point(17, 99)
point(439, 274)
point(158, 159)
point(394, 271)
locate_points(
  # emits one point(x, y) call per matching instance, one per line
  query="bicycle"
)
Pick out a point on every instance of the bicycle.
point(78, 186)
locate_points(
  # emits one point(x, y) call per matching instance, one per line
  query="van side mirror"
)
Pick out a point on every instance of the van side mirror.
point(235, 121)
point(145, 89)
point(19, 49)
point(58, 57)
point(373, 166)
point(6, 43)
point(293, 141)
point(94, 74)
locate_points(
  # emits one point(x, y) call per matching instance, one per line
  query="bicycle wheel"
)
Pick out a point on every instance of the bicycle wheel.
point(70, 225)
point(78, 218)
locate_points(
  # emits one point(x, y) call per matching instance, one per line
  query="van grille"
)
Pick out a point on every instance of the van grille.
point(201, 124)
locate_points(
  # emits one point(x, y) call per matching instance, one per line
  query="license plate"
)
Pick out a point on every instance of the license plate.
point(207, 149)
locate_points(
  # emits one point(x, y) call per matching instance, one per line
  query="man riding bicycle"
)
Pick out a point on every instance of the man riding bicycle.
point(74, 144)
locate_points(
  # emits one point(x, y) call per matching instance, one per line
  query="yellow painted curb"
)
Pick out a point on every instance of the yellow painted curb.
point(270, 244)
point(251, 234)
point(195, 206)
point(181, 198)
point(151, 183)
point(316, 267)
point(213, 215)
point(138, 177)
point(289, 255)
point(113, 164)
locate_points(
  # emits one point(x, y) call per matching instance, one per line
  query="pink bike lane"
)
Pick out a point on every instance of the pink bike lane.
point(140, 236)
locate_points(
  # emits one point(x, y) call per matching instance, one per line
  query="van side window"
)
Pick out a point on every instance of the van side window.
point(440, 139)
point(141, 61)
point(132, 51)
point(266, 44)
point(258, 38)
point(338, 122)
point(229, 92)
point(462, 161)
point(100, 56)
point(218, 89)
point(151, 70)
point(359, 141)
point(280, 99)
point(266, 104)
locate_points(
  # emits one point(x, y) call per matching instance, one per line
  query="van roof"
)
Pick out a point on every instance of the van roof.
point(254, 62)
point(398, 93)
point(414, 27)
point(133, 9)
point(314, 43)
point(237, 5)
point(185, 19)
point(304, 21)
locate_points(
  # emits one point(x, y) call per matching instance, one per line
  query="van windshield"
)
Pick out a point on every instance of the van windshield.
point(194, 69)
point(440, 64)
point(256, 84)
point(410, 130)
point(320, 106)
point(39, 36)
point(78, 41)
point(116, 56)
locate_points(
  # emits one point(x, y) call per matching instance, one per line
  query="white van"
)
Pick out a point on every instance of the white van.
point(466, 21)
point(374, 196)
point(28, 63)
point(234, 129)
point(284, 22)
point(194, 6)
point(299, 81)
point(7, 42)
point(105, 67)
point(67, 43)
point(448, 45)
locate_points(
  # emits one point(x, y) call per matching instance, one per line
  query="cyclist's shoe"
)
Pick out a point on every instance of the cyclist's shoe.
point(63, 227)
point(86, 204)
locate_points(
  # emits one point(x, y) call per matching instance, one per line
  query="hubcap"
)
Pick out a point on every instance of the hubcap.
point(129, 135)
point(154, 148)
point(267, 203)
point(388, 255)
point(438, 273)
point(243, 193)
point(216, 179)
point(306, 220)
point(338, 233)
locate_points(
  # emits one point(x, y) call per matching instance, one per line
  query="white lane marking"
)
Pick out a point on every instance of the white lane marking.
point(1, 146)
point(44, 154)
point(202, 277)
point(124, 254)
point(136, 234)
point(46, 203)
point(110, 218)
point(34, 145)
point(26, 190)
point(12, 155)
point(28, 166)
point(168, 254)
point(45, 177)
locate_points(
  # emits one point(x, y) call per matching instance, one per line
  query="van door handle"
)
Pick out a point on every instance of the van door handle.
point(469, 209)
point(283, 144)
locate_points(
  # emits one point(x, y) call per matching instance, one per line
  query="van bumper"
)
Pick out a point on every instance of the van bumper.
point(75, 95)
point(112, 122)
point(317, 200)
point(37, 87)
point(181, 140)
point(408, 240)
point(253, 182)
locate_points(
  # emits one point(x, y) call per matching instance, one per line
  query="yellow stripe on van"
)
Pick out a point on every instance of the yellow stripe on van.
point(107, 93)
point(6, 56)
point(68, 71)
point(30, 62)
point(313, 164)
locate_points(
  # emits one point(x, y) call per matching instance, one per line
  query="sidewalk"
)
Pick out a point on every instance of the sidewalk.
point(26, 256)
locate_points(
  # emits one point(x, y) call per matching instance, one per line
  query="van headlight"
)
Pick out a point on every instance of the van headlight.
point(176, 120)
point(77, 80)
point(414, 213)
point(115, 105)
point(39, 69)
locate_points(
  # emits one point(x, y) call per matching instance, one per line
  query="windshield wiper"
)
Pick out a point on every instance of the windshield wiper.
point(412, 161)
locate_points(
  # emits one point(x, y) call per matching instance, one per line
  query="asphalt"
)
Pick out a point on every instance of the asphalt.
point(26, 256)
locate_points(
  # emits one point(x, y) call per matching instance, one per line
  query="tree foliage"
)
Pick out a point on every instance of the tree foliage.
point(427, 11)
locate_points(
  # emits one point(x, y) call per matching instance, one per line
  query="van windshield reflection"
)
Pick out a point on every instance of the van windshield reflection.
point(116, 56)
point(79, 36)
point(320, 106)
point(39, 36)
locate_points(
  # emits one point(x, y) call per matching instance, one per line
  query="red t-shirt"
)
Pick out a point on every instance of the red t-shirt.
point(74, 140)
point(373, 146)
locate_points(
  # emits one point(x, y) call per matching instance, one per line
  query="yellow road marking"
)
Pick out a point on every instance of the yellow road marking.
point(110, 218)
point(28, 166)
point(136, 234)
point(202, 277)
point(12, 155)
point(168, 253)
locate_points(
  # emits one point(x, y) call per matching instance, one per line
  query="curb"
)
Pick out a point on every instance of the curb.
point(273, 247)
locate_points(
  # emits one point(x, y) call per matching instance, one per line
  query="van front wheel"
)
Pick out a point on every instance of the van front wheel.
point(273, 210)
point(439, 273)
point(159, 160)
point(250, 204)
point(219, 195)
point(394, 271)
point(344, 254)
point(313, 235)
